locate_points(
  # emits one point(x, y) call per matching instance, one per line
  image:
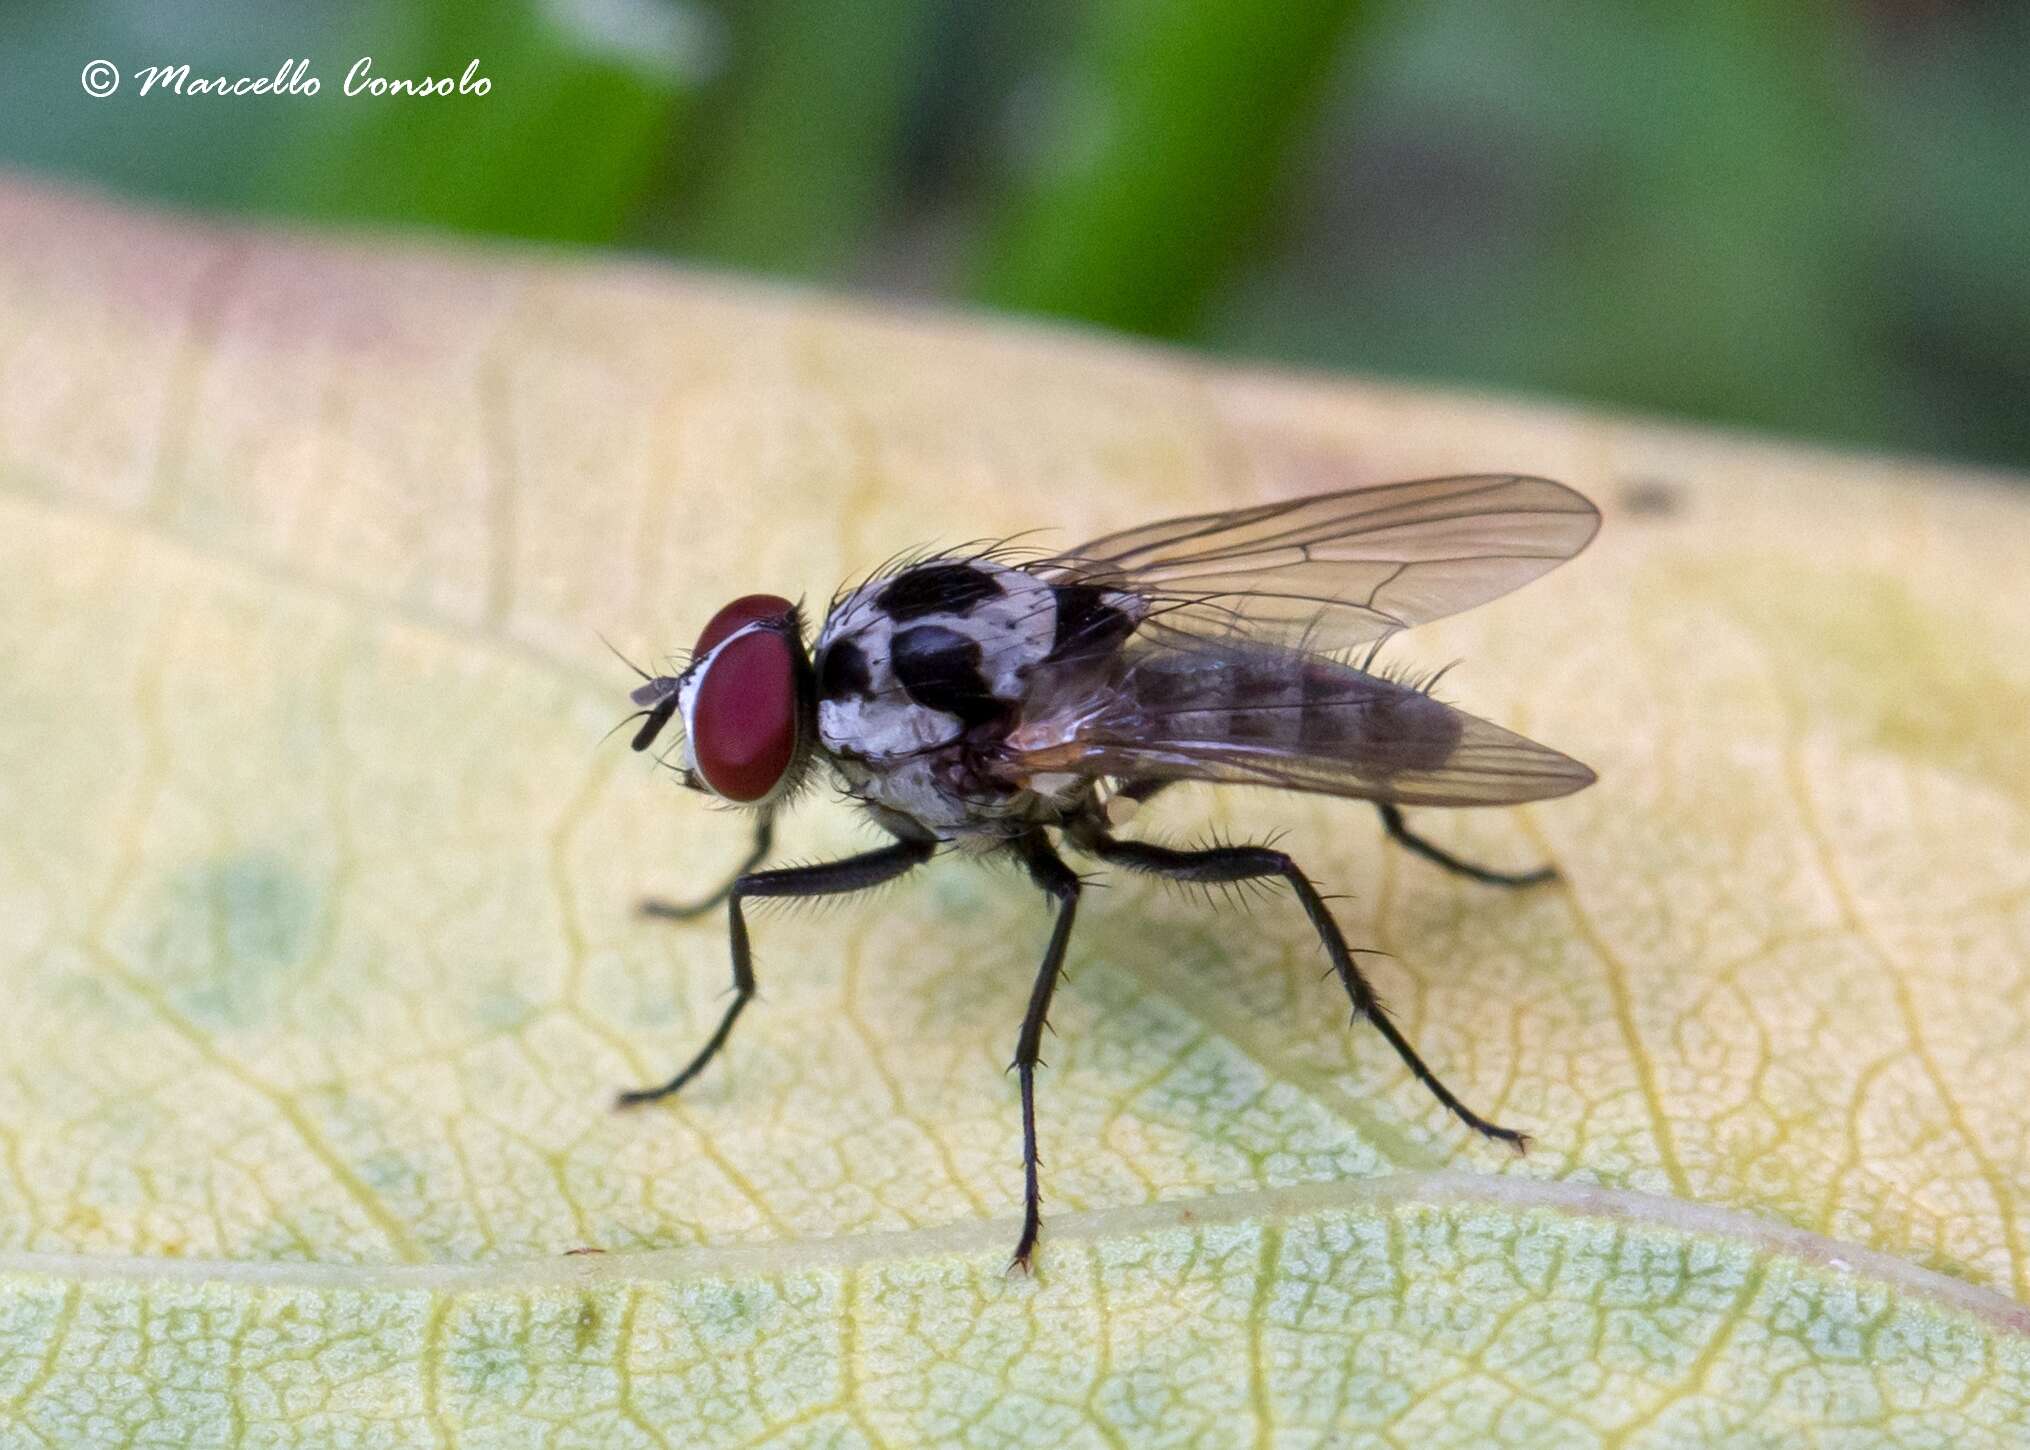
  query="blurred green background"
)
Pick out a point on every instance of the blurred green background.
point(1807, 217)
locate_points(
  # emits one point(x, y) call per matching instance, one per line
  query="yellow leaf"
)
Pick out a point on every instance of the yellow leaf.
point(321, 965)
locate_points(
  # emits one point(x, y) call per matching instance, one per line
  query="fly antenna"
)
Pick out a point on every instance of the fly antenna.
point(658, 716)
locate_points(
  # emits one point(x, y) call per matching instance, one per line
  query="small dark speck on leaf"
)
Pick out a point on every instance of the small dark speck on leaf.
point(1652, 497)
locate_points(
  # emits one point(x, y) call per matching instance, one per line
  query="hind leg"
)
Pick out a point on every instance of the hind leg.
point(1246, 863)
point(1392, 821)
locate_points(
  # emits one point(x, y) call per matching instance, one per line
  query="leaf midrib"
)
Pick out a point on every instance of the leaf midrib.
point(987, 1238)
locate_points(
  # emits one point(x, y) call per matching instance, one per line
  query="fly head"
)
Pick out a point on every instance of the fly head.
point(747, 702)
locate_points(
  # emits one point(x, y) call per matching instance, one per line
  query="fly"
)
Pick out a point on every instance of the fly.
point(1009, 701)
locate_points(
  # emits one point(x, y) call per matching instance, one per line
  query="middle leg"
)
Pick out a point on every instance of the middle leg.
point(1047, 870)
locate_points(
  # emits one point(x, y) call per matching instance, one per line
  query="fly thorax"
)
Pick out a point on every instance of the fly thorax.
point(919, 660)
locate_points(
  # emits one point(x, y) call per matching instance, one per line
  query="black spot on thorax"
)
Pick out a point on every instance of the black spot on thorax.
point(937, 589)
point(843, 672)
point(940, 669)
point(1086, 623)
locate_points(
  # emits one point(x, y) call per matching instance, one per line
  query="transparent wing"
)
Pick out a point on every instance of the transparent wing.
point(1246, 713)
point(1336, 570)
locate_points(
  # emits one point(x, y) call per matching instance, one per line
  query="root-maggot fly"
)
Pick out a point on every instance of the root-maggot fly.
point(1011, 701)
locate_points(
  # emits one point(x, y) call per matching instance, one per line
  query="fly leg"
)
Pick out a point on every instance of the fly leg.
point(1049, 872)
point(764, 842)
point(831, 878)
point(1392, 820)
point(1246, 863)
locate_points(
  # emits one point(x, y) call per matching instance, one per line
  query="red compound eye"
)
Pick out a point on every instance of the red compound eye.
point(738, 615)
point(744, 720)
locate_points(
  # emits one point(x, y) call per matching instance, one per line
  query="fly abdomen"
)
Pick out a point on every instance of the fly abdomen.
point(1258, 701)
point(1382, 727)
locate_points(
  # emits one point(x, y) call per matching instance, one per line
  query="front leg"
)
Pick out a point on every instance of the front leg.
point(764, 842)
point(830, 878)
point(1048, 871)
